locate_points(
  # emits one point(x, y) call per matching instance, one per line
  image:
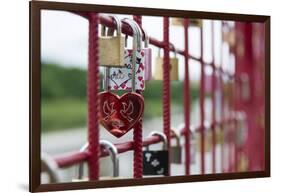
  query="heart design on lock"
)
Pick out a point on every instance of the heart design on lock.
point(117, 114)
point(121, 78)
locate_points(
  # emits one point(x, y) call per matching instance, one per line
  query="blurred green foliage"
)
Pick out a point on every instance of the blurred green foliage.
point(63, 95)
point(60, 82)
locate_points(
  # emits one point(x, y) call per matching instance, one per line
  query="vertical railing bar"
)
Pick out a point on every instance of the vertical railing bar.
point(202, 98)
point(137, 135)
point(213, 126)
point(222, 104)
point(92, 97)
point(230, 127)
point(186, 101)
point(236, 101)
point(166, 83)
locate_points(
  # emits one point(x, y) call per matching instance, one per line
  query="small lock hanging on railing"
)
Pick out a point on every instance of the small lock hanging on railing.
point(241, 131)
point(120, 78)
point(174, 66)
point(118, 114)
point(193, 147)
point(195, 22)
point(50, 167)
point(176, 151)
point(148, 57)
point(111, 48)
point(156, 162)
point(229, 37)
point(191, 22)
point(113, 153)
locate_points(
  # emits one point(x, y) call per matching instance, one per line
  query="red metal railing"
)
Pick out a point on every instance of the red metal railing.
point(225, 123)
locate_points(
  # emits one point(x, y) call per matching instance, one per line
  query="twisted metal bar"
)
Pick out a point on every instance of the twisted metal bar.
point(138, 134)
point(166, 84)
point(222, 125)
point(213, 96)
point(202, 103)
point(186, 88)
point(92, 97)
point(137, 144)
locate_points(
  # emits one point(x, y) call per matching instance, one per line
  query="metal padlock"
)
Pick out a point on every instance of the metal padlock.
point(176, 151)
point(242, 130)
point(193, 144)
point(195, 22)
point(148, 57)
point(192, 22)
point(111, 48)
point(193, 148)
point(245, 87)
point(156, 162)
point(174, 67)
point(113, 153)
point(121, 78)
point(228, 36)
point(49, 166)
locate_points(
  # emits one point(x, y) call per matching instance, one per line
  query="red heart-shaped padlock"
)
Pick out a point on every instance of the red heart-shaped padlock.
point(119, 114)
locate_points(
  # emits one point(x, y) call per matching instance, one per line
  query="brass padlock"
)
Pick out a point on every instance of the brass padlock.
point(191, 22)
point(195, 22)
point(111, 48)
point(229, 37)
point(174, 67)
point(176, 151)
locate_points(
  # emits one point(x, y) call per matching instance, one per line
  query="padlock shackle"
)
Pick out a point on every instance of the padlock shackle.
point(110, 31)
point(113, 153)
point(80, 166)
point(162, 137)
point(146, 38)
point(177, 136)
point(138, 30)
point(103, 29)
point(142, 33)
point(49, 165)
point(136, 42)
point(174, 50)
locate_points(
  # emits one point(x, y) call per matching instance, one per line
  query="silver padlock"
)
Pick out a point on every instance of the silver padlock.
point(121, 78)
point(49, 166)
point(81, 165)
point(113, 153)
point(193, 145)
point(176, 151)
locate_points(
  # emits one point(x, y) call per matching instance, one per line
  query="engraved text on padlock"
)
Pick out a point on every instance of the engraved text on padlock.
point(121, 78)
